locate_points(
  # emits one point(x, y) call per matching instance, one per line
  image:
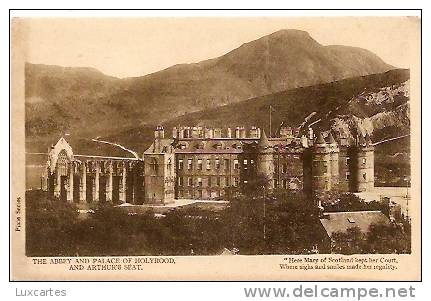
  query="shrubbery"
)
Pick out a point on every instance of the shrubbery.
point(255, 222)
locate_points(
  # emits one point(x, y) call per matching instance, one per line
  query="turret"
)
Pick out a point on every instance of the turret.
point(364, 164)
point(321, 165)
point(334, 161)
point(265, 160)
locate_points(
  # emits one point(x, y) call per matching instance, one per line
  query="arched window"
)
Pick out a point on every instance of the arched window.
point(62, 162)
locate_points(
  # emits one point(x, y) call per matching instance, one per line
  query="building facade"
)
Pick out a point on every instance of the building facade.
point(201, 163)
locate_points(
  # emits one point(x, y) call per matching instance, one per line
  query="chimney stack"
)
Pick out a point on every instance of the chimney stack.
point(229, 133)
point(254, 132)
point(159, 133)
point(208, 133)
point(237, 132)
point(217, 133)
point(174, 132)
point(181, 132)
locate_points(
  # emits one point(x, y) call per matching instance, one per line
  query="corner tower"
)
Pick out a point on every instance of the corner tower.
point(321, 165)
point(364, 164)
point(159, 170)
point(265, 160)
point(334, 152)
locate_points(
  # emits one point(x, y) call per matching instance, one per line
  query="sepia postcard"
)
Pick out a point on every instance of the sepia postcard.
point(216, 148)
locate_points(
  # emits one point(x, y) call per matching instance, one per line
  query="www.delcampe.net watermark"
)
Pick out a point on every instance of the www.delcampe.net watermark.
point(352, 293)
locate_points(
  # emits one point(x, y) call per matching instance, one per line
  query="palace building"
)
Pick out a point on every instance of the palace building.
point(200, 163)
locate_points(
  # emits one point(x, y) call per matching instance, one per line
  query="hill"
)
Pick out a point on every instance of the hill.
point(83, 101)
point(340, 105)
point(376, 104)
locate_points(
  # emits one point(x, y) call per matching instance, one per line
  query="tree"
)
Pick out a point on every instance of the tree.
point(349, 242)
point(262, 221)
point(381, 238)
point(50, 225)
point(340, 202)
point(388, 238)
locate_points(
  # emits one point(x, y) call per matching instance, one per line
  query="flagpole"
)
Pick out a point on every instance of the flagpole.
point(270, 122)
point(264, 214)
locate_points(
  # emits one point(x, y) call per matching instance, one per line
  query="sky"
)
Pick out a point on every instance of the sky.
point(126, 47)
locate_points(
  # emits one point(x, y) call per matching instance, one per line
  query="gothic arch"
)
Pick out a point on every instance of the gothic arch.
point(62, 163)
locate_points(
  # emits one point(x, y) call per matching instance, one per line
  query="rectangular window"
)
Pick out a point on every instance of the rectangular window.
point(218, 181)
point(199, 164)
point(226, 181)
point(244, 163)
point(217, 163)
point(235, 164)
point(347, 161)
point(347, 175)
point(284, 168)
point(284, 184)
point(364, 175)
point(200, 182)
point(189, 164)
point(209, 181)
point(190, 181)
point(154, 165)
point(180, 164)
point(180, 181)
point(235, 182)
point(364, 160)
point(226, 163)
point(208, 164)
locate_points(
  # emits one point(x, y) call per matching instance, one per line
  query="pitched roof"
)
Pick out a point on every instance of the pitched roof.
point(85, 148)
point(163, 145)
point(341, 221)
point(211, 145)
